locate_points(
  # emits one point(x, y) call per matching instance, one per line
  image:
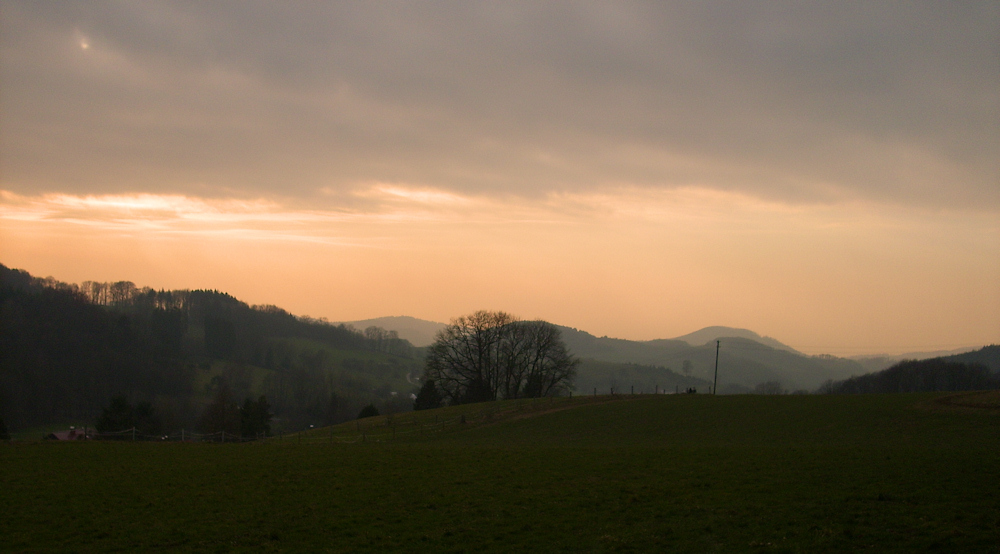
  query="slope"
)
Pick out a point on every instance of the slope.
point(988, 356)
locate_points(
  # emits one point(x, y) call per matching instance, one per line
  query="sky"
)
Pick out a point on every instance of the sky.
point(827, 174)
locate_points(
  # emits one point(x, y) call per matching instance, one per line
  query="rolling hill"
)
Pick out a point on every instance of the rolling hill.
point(709, 334)
point(419, 332)
point(743, 362)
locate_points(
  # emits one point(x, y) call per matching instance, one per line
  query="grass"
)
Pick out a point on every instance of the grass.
point(890, 473)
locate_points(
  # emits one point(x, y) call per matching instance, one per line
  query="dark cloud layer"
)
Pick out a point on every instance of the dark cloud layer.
point(894, 102)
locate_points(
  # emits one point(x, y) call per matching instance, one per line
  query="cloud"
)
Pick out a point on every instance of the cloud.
point(798, 103)
point(635, 262)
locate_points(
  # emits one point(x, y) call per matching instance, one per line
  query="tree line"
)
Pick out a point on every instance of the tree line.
point(229, 324)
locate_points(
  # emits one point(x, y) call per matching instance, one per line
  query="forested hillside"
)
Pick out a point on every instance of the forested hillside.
point(935, 374)
point(65, 350)
point(988, 356)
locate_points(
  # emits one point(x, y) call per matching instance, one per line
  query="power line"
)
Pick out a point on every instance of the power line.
point(715, 385)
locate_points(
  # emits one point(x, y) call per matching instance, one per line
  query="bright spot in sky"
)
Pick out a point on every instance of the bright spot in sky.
point(84, 44)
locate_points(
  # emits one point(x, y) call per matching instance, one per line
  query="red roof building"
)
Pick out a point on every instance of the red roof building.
point(73, 434)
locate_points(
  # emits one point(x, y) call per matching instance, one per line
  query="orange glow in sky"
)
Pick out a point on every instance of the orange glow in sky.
point(626, 263)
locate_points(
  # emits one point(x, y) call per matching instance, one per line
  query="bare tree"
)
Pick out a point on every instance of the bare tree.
point(491, 355)
point(121, 292)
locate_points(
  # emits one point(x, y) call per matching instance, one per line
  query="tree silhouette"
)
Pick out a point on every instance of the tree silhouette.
point(255, 417)
point(368, 411)
point(491, 355)
point(222, 415)
point(120, 415)
point(428, 398)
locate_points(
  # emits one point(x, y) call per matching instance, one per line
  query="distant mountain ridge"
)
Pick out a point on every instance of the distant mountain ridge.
point(746, 358)
point(419, 332)
point(743, 362)
point(708, 334)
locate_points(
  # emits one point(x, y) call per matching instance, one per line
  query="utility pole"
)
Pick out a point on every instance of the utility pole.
point(715, 386)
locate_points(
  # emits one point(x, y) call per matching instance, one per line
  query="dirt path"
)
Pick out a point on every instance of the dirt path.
point(979, 401)
point(533, 410)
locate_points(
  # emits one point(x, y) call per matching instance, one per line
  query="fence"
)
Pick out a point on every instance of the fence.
point(183, 435)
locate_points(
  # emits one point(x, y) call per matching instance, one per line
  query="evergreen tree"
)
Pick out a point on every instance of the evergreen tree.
point(255, 417)
point(117, 416)
point(120, 415)
point(428, 398)
point(145, 419)
point(221, 415)
point(368, 411)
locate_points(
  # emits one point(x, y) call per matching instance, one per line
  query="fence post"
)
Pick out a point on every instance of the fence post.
point(133, 434)
point(633, 389)
point(595, 391)
point(223, 436)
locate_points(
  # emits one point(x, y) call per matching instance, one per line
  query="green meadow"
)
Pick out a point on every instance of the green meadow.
point(689, 473)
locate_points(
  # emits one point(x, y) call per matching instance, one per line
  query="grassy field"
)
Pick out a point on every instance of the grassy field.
point(694, 473)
